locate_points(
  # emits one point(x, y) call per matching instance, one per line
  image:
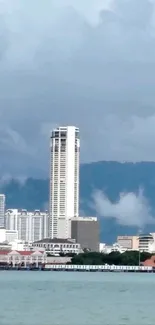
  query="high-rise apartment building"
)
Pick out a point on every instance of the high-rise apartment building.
point(64, 180)
point(2, 210)
point(31, 226)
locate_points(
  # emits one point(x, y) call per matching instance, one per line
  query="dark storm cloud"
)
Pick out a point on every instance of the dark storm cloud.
point(89, 63)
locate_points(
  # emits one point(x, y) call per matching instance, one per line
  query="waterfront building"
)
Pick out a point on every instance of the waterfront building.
point(2, 235)
point(64, 180)
point(85, 230)
point(11, 219)
point(107, 249)
point(147, 242)
point(143, 242)
point(150, 262)
point(11, 235)
point(22, 258)
point(5, 246)
point(20, 245)
point(57, 246)
point(2, 210)
point(8, 235)
point(31, 226)
point(58, 260)
point(128, 242)
point(102, 247)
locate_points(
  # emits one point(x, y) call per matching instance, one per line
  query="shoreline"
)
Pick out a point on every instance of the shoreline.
point(73, 271)
point(80, 268)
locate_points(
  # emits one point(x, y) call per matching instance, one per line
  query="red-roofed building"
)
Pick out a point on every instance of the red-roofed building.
point(150, 261)
point(24, 258)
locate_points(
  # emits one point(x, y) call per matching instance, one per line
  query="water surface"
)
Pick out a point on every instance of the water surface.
point(75, 298)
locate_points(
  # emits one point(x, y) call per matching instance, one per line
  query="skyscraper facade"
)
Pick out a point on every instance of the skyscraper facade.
point(2, 210)
point(85, 230)
point(64, 180)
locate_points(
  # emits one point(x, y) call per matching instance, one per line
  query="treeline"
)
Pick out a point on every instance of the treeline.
point(116, 258)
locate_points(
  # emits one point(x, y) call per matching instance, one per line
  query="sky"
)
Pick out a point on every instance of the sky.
point(87, 63)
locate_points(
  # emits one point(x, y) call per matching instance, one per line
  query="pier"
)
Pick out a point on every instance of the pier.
point(80, 268)
point(99, 268)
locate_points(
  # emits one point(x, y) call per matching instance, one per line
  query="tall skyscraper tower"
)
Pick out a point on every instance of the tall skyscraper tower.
point(64, 180)
point(2, 210)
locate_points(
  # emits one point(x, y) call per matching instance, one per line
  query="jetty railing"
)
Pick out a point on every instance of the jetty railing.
point(99, 268)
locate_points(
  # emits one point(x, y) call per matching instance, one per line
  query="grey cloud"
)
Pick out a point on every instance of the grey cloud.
point(3, 38)
point(89, 63)
point(136, 13)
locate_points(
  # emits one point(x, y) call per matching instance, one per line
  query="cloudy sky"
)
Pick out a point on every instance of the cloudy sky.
point(84, 62)
point(130, 210)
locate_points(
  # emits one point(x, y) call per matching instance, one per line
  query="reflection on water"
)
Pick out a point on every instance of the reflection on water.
point(66, 298)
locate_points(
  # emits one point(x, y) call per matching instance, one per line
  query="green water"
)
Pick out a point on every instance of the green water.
point(52, 298)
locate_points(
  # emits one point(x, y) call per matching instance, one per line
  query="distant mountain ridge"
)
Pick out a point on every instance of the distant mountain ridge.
point(112, 177)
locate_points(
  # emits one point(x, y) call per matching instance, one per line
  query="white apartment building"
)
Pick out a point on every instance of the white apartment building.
point(107, 249)
point(64, 180)
point(11, 235)
point(147, 242)
point(11, 219)
point(8, 235)
point(2, 235)
point(2, 210)
point(31, 226)
point(20, 245)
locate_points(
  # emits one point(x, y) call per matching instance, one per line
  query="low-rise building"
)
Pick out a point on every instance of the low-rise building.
point(20, 245)
point(85, 230)
point(107, 249)
point(102, 247)
point(2, 235)
point(147, 242)
point(57, 246)
point(2, 210)
point(150, 261)
point(11, 235)
point(128, 242)
point(58, 259)
point(5, 246)
point(8, 235)
point(24, 258)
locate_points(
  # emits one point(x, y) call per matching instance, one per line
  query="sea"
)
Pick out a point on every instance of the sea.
point(76, 298)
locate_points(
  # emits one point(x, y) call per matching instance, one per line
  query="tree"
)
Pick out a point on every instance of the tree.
point(116, 258)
